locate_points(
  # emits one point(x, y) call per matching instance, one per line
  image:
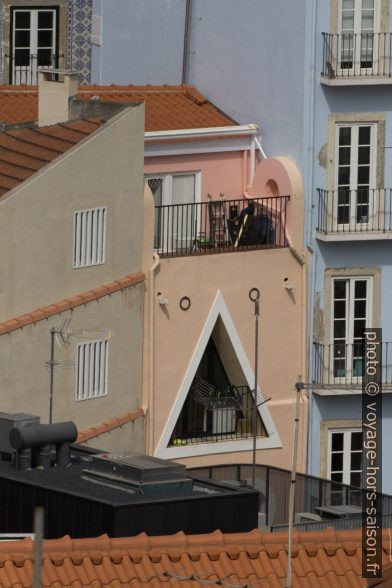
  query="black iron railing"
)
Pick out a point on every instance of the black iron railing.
point(349, 55)
point(274, 486)
point(340, 364)
point(354, 211)
point(210, 415)
point(24, 65)
point(217, 226)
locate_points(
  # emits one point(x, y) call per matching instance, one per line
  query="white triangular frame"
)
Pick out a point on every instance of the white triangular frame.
point(162, 450)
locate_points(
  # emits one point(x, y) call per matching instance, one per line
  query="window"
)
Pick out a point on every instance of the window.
point(355, 157)
point(345, 463)
point(351, 312)
point(33, 42)
point(92, 368)
point(89, 237)
point(358, 23)
point(175, 196)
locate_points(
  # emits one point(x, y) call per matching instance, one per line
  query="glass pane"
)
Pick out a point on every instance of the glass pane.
point(344, 135)
point(360, 288)
point(340, 309)
point(337, 462)
point(45, 38)
point(183, 190)
point(337, 441)
point(359, 308)
point(343, 215)
point(363, 175)
point(364, 136)
point(367, 4)
point(344, 155)
point(348, 4)
point(22, 57)
point(45, 58)
point(355, 479)
point(340, 289)
point(356, 461)
point(367, 20)
point(22, 20)
point(343, 196)
point(344, 176)
point(22, 38)
point(359, 326)
point(45, 20)
point(337, 477)
point(348, 21)
point(339, 330)
point(363, 155)
point(356, 440)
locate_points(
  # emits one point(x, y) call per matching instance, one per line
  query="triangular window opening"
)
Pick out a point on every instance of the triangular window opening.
point(219, 405)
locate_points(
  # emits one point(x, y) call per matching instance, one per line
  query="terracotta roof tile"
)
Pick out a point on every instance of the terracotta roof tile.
point(25, 151)
point(182, 559)
point(69, 303)
point(167, 107)
point(107, 426)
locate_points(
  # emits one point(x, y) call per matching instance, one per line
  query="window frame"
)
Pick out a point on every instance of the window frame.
point(85, 344)
point(165, 242)
point(349, 339)
point(346, 471)
point(102, 259)
point(56, 36)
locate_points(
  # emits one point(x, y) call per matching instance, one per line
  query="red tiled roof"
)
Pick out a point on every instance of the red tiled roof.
point(107, 426)
point(325, 559)
point(68, 303)
point(167, 107)
point(24, 151)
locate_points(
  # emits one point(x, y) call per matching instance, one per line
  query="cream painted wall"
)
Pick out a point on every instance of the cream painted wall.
point(37, 218)
point(24, 377)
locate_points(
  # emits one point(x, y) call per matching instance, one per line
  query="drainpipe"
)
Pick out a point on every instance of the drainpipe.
point(185, 57)
point(150, 410)
point(247, 186)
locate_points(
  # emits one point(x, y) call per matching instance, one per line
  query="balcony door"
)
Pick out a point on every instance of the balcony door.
point(358, 45)
point(354, 204)
point(33, 42)
point(176, 218)
point(351, 314)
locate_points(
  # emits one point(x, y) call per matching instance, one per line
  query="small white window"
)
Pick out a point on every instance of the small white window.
point(89, 237)
point(92, 369)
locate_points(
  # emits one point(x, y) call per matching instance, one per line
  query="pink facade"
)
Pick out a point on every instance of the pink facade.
point(217, 287)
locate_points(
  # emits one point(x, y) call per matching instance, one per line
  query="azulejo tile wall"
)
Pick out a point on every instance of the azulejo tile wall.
point(79, 17)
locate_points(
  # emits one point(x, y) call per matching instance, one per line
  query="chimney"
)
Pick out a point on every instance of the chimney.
point(55, 88)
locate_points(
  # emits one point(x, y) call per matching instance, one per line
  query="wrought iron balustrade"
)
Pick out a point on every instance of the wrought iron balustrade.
point(363, 210)
point(24, 65)
point(351, 55)
point(217, 226)
point(340, 364)
point(210, 415)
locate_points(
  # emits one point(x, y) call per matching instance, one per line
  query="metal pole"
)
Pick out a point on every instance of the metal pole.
point(38, 537)
point(298, 386)
point(255, 406)
point(51, 369)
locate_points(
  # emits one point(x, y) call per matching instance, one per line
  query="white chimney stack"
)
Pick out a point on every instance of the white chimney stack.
point(55, 88)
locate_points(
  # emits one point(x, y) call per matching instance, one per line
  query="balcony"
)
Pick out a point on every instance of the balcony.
point(210, 415)
point(356, 59)
point(337, 367)
point(353, 215)
point(219, 226)
point(24, 66)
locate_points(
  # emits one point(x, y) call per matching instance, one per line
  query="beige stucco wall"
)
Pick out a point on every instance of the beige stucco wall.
point(24, 376)
point(37, 218)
